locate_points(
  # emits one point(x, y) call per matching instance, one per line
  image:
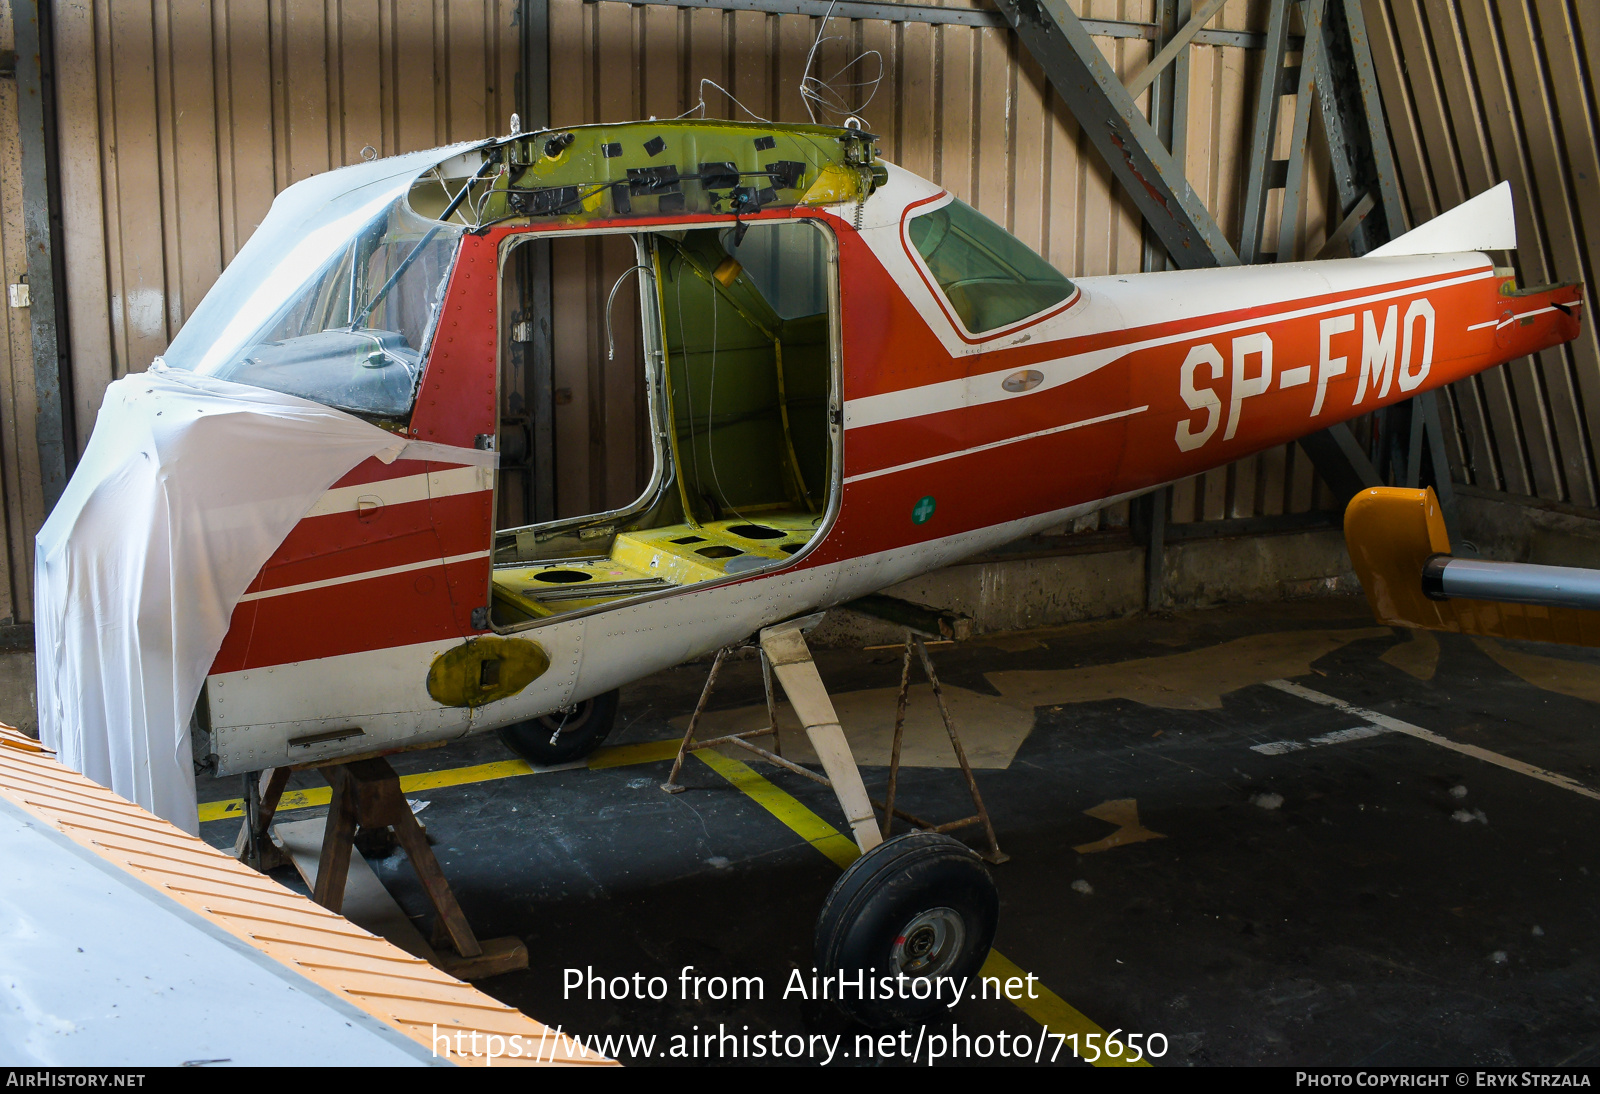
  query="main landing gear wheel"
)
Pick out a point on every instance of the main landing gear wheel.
point(921, 905)
point(563, 735)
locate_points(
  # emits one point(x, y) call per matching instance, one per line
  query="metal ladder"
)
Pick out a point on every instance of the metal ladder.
point(1334, 43)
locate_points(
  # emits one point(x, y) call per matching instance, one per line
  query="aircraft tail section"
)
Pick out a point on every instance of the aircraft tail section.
point(1485, 223)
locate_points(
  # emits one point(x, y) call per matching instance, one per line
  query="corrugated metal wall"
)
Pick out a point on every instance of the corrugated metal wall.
point(181, 119)
point(1477, 91)
point(964, 106)
point(23, 496)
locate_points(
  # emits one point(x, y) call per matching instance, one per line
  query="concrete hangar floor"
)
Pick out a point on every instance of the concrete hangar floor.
point(1259, 875)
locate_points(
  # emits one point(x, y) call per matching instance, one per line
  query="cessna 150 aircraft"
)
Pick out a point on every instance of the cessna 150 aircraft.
point(853, 378)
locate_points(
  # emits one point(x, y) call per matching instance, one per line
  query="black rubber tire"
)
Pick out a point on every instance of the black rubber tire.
point(885, 891)
point(586, 726)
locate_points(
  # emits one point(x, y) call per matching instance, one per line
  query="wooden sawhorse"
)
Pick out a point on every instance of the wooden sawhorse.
point(367, 796)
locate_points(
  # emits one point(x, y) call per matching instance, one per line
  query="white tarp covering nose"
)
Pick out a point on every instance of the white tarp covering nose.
point(188, 486)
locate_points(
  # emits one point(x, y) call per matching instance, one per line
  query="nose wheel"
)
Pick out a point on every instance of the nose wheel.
point(919, 907)
point(563, 736)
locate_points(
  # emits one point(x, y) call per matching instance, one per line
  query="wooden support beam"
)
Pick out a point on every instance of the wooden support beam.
point(791, 661)
point(262, 792)
point(366, 794)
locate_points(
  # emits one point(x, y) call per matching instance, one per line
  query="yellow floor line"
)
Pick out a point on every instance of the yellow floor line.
point(1055, 1013)
point(233, 808)
point(787, 808)
point(428, 780)
point(1048, 1009)
point(643, 753)
point(617, 756)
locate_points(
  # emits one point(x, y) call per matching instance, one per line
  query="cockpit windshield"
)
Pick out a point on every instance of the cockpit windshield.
point(334, 299)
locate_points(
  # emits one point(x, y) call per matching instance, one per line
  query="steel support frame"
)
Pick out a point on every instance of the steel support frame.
point(1118, 128)
point(1358, 137)
point(1337, 456)
point(1169, 112)
point(1146, 155)
point(891, 12)
point(1365, 183)
point(41, 219)
point(537, 358)
point(1352, 115)
point(1368, 189)
point(1170, 46)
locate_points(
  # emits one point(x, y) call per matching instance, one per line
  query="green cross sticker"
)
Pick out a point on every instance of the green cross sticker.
point(922, 512)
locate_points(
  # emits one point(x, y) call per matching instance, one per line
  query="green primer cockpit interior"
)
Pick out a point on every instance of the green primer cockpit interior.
point(742, 317)
point(740, 375)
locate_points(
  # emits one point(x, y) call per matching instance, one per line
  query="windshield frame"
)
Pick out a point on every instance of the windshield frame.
point(936, 290)
point(308, 231)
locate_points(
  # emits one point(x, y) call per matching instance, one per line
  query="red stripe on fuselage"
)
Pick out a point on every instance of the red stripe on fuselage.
point(344, 544)
point(1107, 389)
point(424, 605)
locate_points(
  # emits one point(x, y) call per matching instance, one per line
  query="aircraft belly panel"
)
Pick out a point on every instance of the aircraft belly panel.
point(628, 643)
point(867, 573)
point(256, 712)
point(255, 748)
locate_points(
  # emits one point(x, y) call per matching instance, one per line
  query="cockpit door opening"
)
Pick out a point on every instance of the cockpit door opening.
point(735, 337)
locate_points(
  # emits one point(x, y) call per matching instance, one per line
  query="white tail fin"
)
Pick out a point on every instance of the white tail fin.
point(1486, 223)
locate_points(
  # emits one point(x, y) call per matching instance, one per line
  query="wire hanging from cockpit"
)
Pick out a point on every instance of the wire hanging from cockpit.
point(822, 93)
point(701, 104)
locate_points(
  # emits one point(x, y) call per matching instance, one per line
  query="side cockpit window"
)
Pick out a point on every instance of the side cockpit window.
point(989, 276)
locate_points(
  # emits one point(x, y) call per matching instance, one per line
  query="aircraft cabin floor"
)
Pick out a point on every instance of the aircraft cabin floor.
point(645, 561)
point(1305, 887)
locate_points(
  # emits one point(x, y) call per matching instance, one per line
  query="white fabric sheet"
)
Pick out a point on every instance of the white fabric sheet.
point(188, 486)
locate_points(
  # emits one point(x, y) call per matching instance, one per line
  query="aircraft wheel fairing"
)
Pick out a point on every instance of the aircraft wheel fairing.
point(922, 906)
point(577, 732)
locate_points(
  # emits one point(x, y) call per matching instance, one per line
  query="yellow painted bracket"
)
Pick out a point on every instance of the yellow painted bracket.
point(483, 670)
point(1391, 531)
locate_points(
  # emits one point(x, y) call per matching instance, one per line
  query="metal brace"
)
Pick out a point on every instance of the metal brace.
point(689, 744)
point(994, 854)
point(788, 650)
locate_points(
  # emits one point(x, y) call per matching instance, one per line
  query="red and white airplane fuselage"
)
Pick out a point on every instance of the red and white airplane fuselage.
point(945, 444)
